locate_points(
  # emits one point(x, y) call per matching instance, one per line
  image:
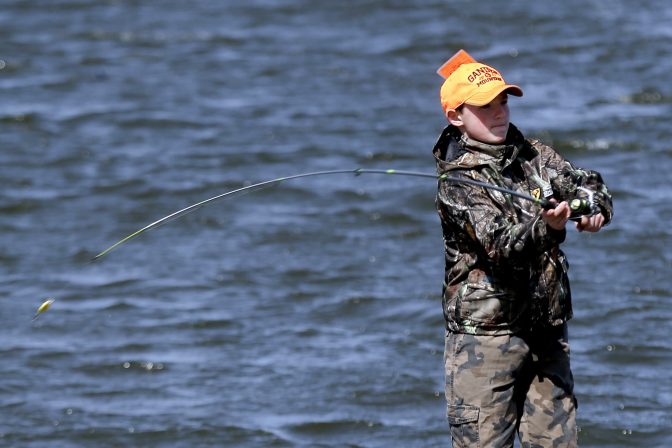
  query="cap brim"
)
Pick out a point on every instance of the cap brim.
point(483, 98)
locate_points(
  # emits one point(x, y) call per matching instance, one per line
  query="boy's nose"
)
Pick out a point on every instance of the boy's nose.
point(500, 110)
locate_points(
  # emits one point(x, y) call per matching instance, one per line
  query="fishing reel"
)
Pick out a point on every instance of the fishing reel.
point(583, 205)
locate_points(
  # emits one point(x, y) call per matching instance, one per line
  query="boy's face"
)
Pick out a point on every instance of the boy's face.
point(487, 124)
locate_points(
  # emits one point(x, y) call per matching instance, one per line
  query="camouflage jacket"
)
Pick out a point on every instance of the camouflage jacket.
point(504, 271)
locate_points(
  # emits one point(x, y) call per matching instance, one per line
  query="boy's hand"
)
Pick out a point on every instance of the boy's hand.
point(557, 217)
point(590, 223)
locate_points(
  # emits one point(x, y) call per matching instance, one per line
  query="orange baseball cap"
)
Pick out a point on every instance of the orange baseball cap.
point(470, 82)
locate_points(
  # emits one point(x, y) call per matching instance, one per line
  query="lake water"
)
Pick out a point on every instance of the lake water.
point(306, 314)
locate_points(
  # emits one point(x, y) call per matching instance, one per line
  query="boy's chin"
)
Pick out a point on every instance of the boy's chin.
point(496, 139)
point(498, 136)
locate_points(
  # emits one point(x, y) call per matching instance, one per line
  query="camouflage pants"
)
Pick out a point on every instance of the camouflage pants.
point(497, 386)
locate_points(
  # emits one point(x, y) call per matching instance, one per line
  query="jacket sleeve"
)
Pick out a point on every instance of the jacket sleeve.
point(496, 234)
point(566, 180)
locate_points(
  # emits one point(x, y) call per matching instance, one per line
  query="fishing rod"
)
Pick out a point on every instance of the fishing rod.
point(544, 203)
point(579, 206)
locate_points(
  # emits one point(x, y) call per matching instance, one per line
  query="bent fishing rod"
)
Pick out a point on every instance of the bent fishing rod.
point(544, 203)
point(579, 206)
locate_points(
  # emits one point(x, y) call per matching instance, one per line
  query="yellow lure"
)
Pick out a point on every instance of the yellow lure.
point(44, 307)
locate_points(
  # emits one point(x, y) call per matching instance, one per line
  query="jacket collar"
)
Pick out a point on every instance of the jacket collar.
point(454, 150)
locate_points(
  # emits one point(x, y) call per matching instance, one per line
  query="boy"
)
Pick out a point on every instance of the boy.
point(506, 297)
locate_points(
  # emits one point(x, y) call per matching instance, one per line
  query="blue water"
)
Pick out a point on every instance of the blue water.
point(308, 313)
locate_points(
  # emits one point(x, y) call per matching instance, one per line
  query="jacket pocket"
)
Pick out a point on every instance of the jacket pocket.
point(481, 303)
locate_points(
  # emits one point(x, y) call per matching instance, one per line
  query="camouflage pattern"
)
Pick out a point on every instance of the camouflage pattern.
point(506, 296)
point(504, 270)
point(500, 386)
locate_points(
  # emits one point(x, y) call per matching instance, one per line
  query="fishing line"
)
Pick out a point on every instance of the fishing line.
point(358, 171)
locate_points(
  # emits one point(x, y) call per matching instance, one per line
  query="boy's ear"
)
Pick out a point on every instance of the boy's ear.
point(454, 117)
